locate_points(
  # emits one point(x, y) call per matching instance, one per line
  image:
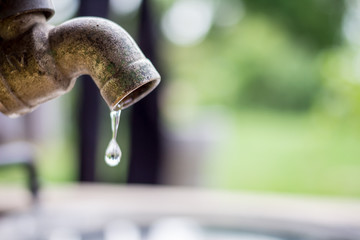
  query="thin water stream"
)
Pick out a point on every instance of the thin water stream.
point(113, 151)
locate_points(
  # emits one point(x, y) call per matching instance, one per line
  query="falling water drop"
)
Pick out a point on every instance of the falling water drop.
point(113, 151)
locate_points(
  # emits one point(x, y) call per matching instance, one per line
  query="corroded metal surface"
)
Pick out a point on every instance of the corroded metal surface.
point(39, 62)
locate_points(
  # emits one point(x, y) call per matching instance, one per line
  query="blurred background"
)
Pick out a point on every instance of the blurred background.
point(255, 95)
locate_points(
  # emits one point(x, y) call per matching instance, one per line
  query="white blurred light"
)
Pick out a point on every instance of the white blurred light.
point(124, 7)
point(175, 229)
point(241, 236)
point(28, 226)
point(122, 229)
point(64, 10)
point(352, 21)
point(228, 13)
point(8, 229)
point(64, 234)
point(188, 21)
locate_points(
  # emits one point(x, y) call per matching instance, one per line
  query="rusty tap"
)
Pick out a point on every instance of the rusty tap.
point(39, 62)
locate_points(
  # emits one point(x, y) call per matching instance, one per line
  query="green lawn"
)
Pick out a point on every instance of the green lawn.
point(288, 152)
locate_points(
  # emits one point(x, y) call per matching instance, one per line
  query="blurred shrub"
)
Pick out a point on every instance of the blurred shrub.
point(316, 22)
point(339, 97)
point(255, 63)
point(279, 72)
point(269, 59)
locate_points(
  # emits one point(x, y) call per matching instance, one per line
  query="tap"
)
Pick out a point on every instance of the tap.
point(39, 62)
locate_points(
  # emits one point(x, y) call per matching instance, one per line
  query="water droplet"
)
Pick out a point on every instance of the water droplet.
point(113, 151)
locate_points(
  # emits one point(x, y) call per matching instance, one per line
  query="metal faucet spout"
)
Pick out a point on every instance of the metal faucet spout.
point(39, 62)
point(105, 51)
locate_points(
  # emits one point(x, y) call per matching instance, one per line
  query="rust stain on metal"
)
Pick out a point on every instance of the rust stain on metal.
point(39, 62)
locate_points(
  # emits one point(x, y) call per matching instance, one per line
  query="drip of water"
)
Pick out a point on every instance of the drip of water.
point(113, 151)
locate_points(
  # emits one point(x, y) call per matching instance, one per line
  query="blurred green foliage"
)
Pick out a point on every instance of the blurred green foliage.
point(287, 81)
point(256, 63)
point(290, 84)
point(315, 22)
point(287, 152)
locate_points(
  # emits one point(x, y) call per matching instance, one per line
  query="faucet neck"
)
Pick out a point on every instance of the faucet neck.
point(14, 26)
